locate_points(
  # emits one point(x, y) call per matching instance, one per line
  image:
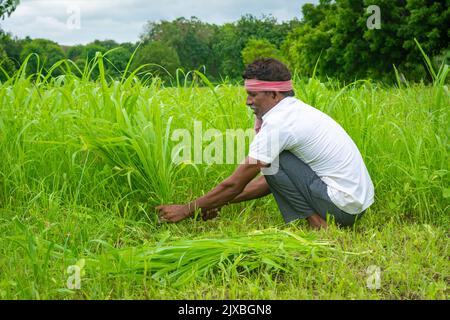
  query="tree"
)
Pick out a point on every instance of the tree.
point(13, 47)
point(227, 51)
point(217, 48)
point(75, 52)
point(107, 44)
point(428, 21)
point(161, 56)
point(7, 7)
point(49, 53)
point(6, 64)
point(260, 48)
point(129, 46)
point(394, 44)
point(117, 61)
point(348, 49)
point(91, 49)
point(311, 40)
point(191, 39)
point(231, 39)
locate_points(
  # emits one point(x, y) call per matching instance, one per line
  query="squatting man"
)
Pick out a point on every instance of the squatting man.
point(308, 162)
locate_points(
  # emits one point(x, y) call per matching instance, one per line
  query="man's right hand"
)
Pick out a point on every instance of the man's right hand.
point(173, 212)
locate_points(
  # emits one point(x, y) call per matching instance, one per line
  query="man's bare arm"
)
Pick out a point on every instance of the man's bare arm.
point(222, 194)
point(257, 188)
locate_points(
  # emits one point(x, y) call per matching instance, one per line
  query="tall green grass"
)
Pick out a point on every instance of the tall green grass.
point(49, 126)
point(84, 162)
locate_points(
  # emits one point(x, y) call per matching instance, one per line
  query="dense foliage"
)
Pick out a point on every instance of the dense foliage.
point(85, 162)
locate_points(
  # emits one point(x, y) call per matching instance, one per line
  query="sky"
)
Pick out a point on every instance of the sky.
point(70, 22)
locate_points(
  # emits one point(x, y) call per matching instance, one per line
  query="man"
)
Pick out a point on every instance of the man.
point(309, 163)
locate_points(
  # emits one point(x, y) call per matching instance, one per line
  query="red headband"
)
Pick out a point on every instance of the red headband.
point(259, 85)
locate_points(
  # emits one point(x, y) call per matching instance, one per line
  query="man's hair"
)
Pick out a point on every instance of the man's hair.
point(268, 69)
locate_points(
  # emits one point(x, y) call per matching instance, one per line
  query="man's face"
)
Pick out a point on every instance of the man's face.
point(260, 102)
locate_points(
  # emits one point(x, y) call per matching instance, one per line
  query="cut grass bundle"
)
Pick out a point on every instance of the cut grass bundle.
point(268, 252)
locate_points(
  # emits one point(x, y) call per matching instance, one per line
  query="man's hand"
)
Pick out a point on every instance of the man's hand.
point(222, 194)
point(208, 214)
point(173, 212)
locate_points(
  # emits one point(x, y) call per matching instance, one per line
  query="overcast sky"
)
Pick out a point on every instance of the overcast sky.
point(70, 22)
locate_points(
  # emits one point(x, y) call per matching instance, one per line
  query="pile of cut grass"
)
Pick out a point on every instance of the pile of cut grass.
point(181, 262)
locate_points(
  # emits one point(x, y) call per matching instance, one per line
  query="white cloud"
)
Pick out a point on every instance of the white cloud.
point(124, 20)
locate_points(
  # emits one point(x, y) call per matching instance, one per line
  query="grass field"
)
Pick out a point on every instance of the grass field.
point(84, 163)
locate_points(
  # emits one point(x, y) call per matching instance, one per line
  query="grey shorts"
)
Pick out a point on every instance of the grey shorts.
point(300, 193)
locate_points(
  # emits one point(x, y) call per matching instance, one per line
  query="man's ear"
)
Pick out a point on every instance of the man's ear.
point(279, 95)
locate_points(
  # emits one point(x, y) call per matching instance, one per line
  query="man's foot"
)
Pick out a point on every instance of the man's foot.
point(317, 222)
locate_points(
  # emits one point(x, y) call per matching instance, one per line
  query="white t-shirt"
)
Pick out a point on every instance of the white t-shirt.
point(321, 143)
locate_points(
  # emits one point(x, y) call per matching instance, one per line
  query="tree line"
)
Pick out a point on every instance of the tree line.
point(332, 40)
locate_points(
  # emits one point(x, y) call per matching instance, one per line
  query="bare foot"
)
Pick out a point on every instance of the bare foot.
point(317, 222)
